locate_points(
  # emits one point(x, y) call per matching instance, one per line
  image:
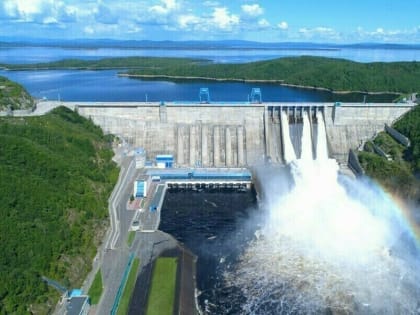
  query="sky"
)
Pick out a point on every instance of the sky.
point(328, 21)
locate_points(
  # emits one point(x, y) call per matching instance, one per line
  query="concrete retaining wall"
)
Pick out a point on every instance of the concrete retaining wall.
point(353, 163)
point(397, 135)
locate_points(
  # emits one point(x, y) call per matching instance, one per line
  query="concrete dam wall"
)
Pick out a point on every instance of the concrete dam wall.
point(239, 134)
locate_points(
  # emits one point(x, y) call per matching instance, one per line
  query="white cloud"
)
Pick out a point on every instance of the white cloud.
point(89, 30)
point(252, 10)
point(26, 10)
point(283, 25)
point(381, 34)
point(23, 7)
point(134, 29)
point(166, 7)
point(379, 30)
point(316, 30)
point(209, 3)
point(319, 33)
point(222, 18)
point(68, 14)
point(50, 20)
point(263, 23)
point(185, 21)
point(164, 18)
point(47, 12)
point(105, 15)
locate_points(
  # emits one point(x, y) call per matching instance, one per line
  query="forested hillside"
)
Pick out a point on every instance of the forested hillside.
point(13, 96)
point(402, 173)
point(56, 175)
point(319, 72)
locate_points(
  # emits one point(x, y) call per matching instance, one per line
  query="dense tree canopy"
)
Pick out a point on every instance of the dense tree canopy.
point(56, 175)
point(398, 174)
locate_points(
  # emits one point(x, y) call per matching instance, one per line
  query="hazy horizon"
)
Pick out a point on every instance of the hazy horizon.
point(179, 20)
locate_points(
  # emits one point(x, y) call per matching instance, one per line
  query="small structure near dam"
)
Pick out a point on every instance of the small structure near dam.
point(154, 183)
point(228, 134)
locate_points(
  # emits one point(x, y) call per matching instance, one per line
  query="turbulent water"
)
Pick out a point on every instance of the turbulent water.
point(319, 244)
point(328, 245)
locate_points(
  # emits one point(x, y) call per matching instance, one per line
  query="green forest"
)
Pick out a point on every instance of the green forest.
point(13, 96)
point(400, 174)
point(315, 72)
point(56, 175)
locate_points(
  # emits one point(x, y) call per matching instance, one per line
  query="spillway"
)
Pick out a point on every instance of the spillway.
point(306, 151)
point(289, 151)
point(328, 245)
point(322, 148)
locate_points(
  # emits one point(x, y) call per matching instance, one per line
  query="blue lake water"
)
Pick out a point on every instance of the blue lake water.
point(83, 85)
point(46, 54)
point(75, 85)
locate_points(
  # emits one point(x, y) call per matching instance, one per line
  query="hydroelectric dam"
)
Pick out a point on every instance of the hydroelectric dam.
point(330, 256)
point(236, 134)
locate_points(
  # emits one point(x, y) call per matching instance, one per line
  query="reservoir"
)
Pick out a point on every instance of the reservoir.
point(84, 85)
point(107, 86)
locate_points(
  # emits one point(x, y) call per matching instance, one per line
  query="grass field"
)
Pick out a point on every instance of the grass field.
point(162, 290)
point(130, 238)
point(129, 287)
point(95, 290)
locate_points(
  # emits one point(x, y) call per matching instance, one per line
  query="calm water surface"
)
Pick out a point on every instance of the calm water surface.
point(46, 54)
point(75, 85)
point(84, 85)
point(106, 85)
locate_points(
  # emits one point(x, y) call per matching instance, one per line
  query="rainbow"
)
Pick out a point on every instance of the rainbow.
point(401, 209)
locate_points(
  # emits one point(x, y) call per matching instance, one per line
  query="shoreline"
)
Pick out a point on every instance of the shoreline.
point(279, 82)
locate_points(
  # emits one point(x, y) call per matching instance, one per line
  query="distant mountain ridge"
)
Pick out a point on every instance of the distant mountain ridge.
point(192, 44)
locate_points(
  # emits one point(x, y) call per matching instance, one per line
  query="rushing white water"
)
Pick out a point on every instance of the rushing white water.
point(322, 148)
point(289, 151)
point(322, 249)
point(306, 152)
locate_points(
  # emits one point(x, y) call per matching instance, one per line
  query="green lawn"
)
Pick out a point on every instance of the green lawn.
point(95, 290)
point(129, 287)
point(162, 290)
point(130, 238)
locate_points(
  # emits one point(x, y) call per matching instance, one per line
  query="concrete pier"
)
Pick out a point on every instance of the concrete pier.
point(205, 152)
point(241, 149)
point(216, 146)
point(193, 145)
point(180, 146)
point(228, 150)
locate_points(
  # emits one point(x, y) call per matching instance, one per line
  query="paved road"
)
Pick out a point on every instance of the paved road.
point(115, 252)
point(118, 201)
